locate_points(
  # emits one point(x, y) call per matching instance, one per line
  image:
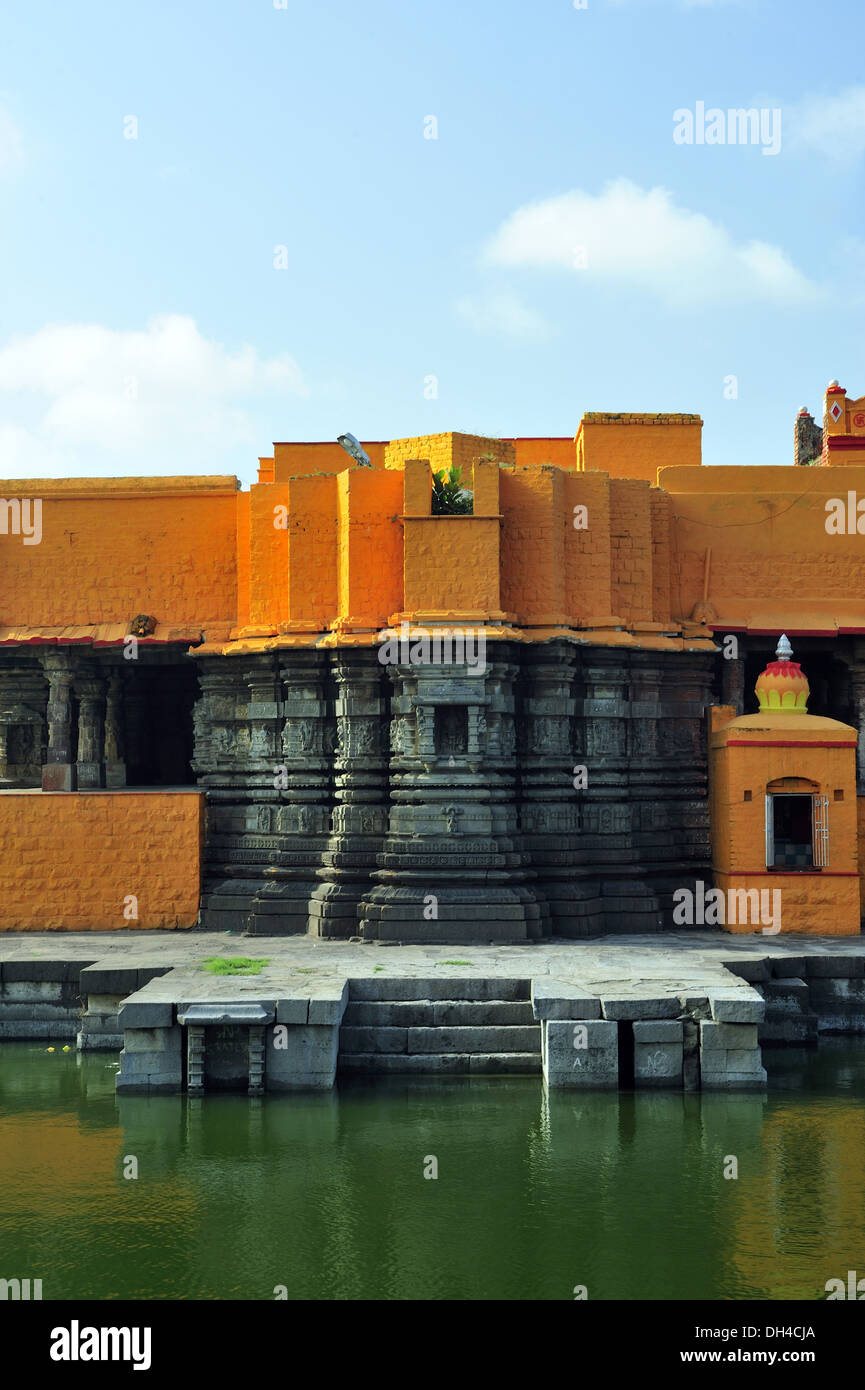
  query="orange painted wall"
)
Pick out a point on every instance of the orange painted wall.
point(631, 550)
point(533, 541)
point(114, 844)
point(313, 565)
point(636, 446)
point(820, 904)
point(370, 547)
point(268, 556)
point(754, 520)
point(113, 548)
point(562, 453)
point(451, 563)
point(588, 553)
point(199, 552)
point(297, 460)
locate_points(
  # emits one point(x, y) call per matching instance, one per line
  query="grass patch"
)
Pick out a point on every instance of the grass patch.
point(377, 968)
point(304, 970)
point(453, 962)
point(233, 965)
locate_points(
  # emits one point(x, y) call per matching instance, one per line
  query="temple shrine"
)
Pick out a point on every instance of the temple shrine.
point(321, 704)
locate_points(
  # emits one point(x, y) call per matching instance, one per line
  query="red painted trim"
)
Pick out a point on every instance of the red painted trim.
point(783, 871)
point(842, 442)
point(789, 743)
point(791, 631)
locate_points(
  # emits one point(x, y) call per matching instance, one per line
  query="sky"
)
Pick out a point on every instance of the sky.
point(229, 222)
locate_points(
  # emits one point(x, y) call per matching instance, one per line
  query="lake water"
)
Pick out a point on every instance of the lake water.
point(326, 1195)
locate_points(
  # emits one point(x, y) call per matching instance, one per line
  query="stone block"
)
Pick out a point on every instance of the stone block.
point(504, 1063)
point(439, 987)
point(658, 1063)
point(734, 1081)
point(468, 1040)
point(44, 971)
point(785, 994)
point(835, 967)
point(743, 1061)
point(152, 1059)
point(144, 1014)
point(844, 990)
point(658, 1031)
point(21, 1030)
point(292, 1010)
point(592, 1064)
point(373, 1039)
point(738, 1008)
point(99, 1042)
point(786, 967)
point(646, 1007)
point(306, 1062)
point(328, 1007)
point(464, 1013)
point(559, 999)
point(719, 1037)
point(153, 1040)
point(754, 969)
point(58, 777)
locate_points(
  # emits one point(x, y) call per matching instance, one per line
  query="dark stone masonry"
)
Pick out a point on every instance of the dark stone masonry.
point(555, 789)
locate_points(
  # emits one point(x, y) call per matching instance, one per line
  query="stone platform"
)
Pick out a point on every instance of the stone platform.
point(686, 1010)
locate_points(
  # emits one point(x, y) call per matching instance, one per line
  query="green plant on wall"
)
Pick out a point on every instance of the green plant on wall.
point(449, 497)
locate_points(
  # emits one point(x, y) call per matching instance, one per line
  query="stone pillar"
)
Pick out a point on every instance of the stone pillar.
point(58, 774)
point(360, 811)
point(683, 853)
point(297, 807)
point(452, 868)
point(112, 751)
point(236, 860)
point(605, 849)
point(23, 697)
point(90, 768)
point(733, 682)
point(857, 690)
point(552, 782)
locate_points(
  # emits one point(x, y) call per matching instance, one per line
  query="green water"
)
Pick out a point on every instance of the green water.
point(326, 1195)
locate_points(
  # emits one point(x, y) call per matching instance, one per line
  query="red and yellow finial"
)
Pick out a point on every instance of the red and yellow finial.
point(783, 688)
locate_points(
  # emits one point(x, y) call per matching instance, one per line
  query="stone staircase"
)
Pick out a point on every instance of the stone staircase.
point(441, 1026)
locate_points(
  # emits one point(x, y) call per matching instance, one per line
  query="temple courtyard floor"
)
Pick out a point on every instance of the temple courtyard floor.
point(668, 962)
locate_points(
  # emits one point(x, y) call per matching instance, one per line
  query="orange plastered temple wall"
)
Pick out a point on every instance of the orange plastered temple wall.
point(114, 547)
point(758, 754)
point(129, 859)
point(636, 446)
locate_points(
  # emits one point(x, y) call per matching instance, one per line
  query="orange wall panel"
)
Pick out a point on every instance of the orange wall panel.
point(72, 860)
point(533, 544)
point(113, 548)
point(636, 446)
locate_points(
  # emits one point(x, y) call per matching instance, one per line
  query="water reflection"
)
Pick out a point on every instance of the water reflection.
point(536, 1193)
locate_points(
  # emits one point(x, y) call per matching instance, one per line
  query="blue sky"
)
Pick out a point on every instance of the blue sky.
point(145, 324)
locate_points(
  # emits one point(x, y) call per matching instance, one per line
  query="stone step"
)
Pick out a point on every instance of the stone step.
point(478, 1013)
point(444, 1063)
point(453, 933)
point(441, 988)
point(38, 1030)
point(439, 1040)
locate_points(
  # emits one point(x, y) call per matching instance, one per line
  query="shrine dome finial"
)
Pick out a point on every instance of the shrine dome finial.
point(783, 687)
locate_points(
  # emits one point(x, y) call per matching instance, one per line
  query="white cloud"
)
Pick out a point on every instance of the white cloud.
point(503, 314)
point(640, 238)
point(11, 150)
point(77, 397)
point(832, 125)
